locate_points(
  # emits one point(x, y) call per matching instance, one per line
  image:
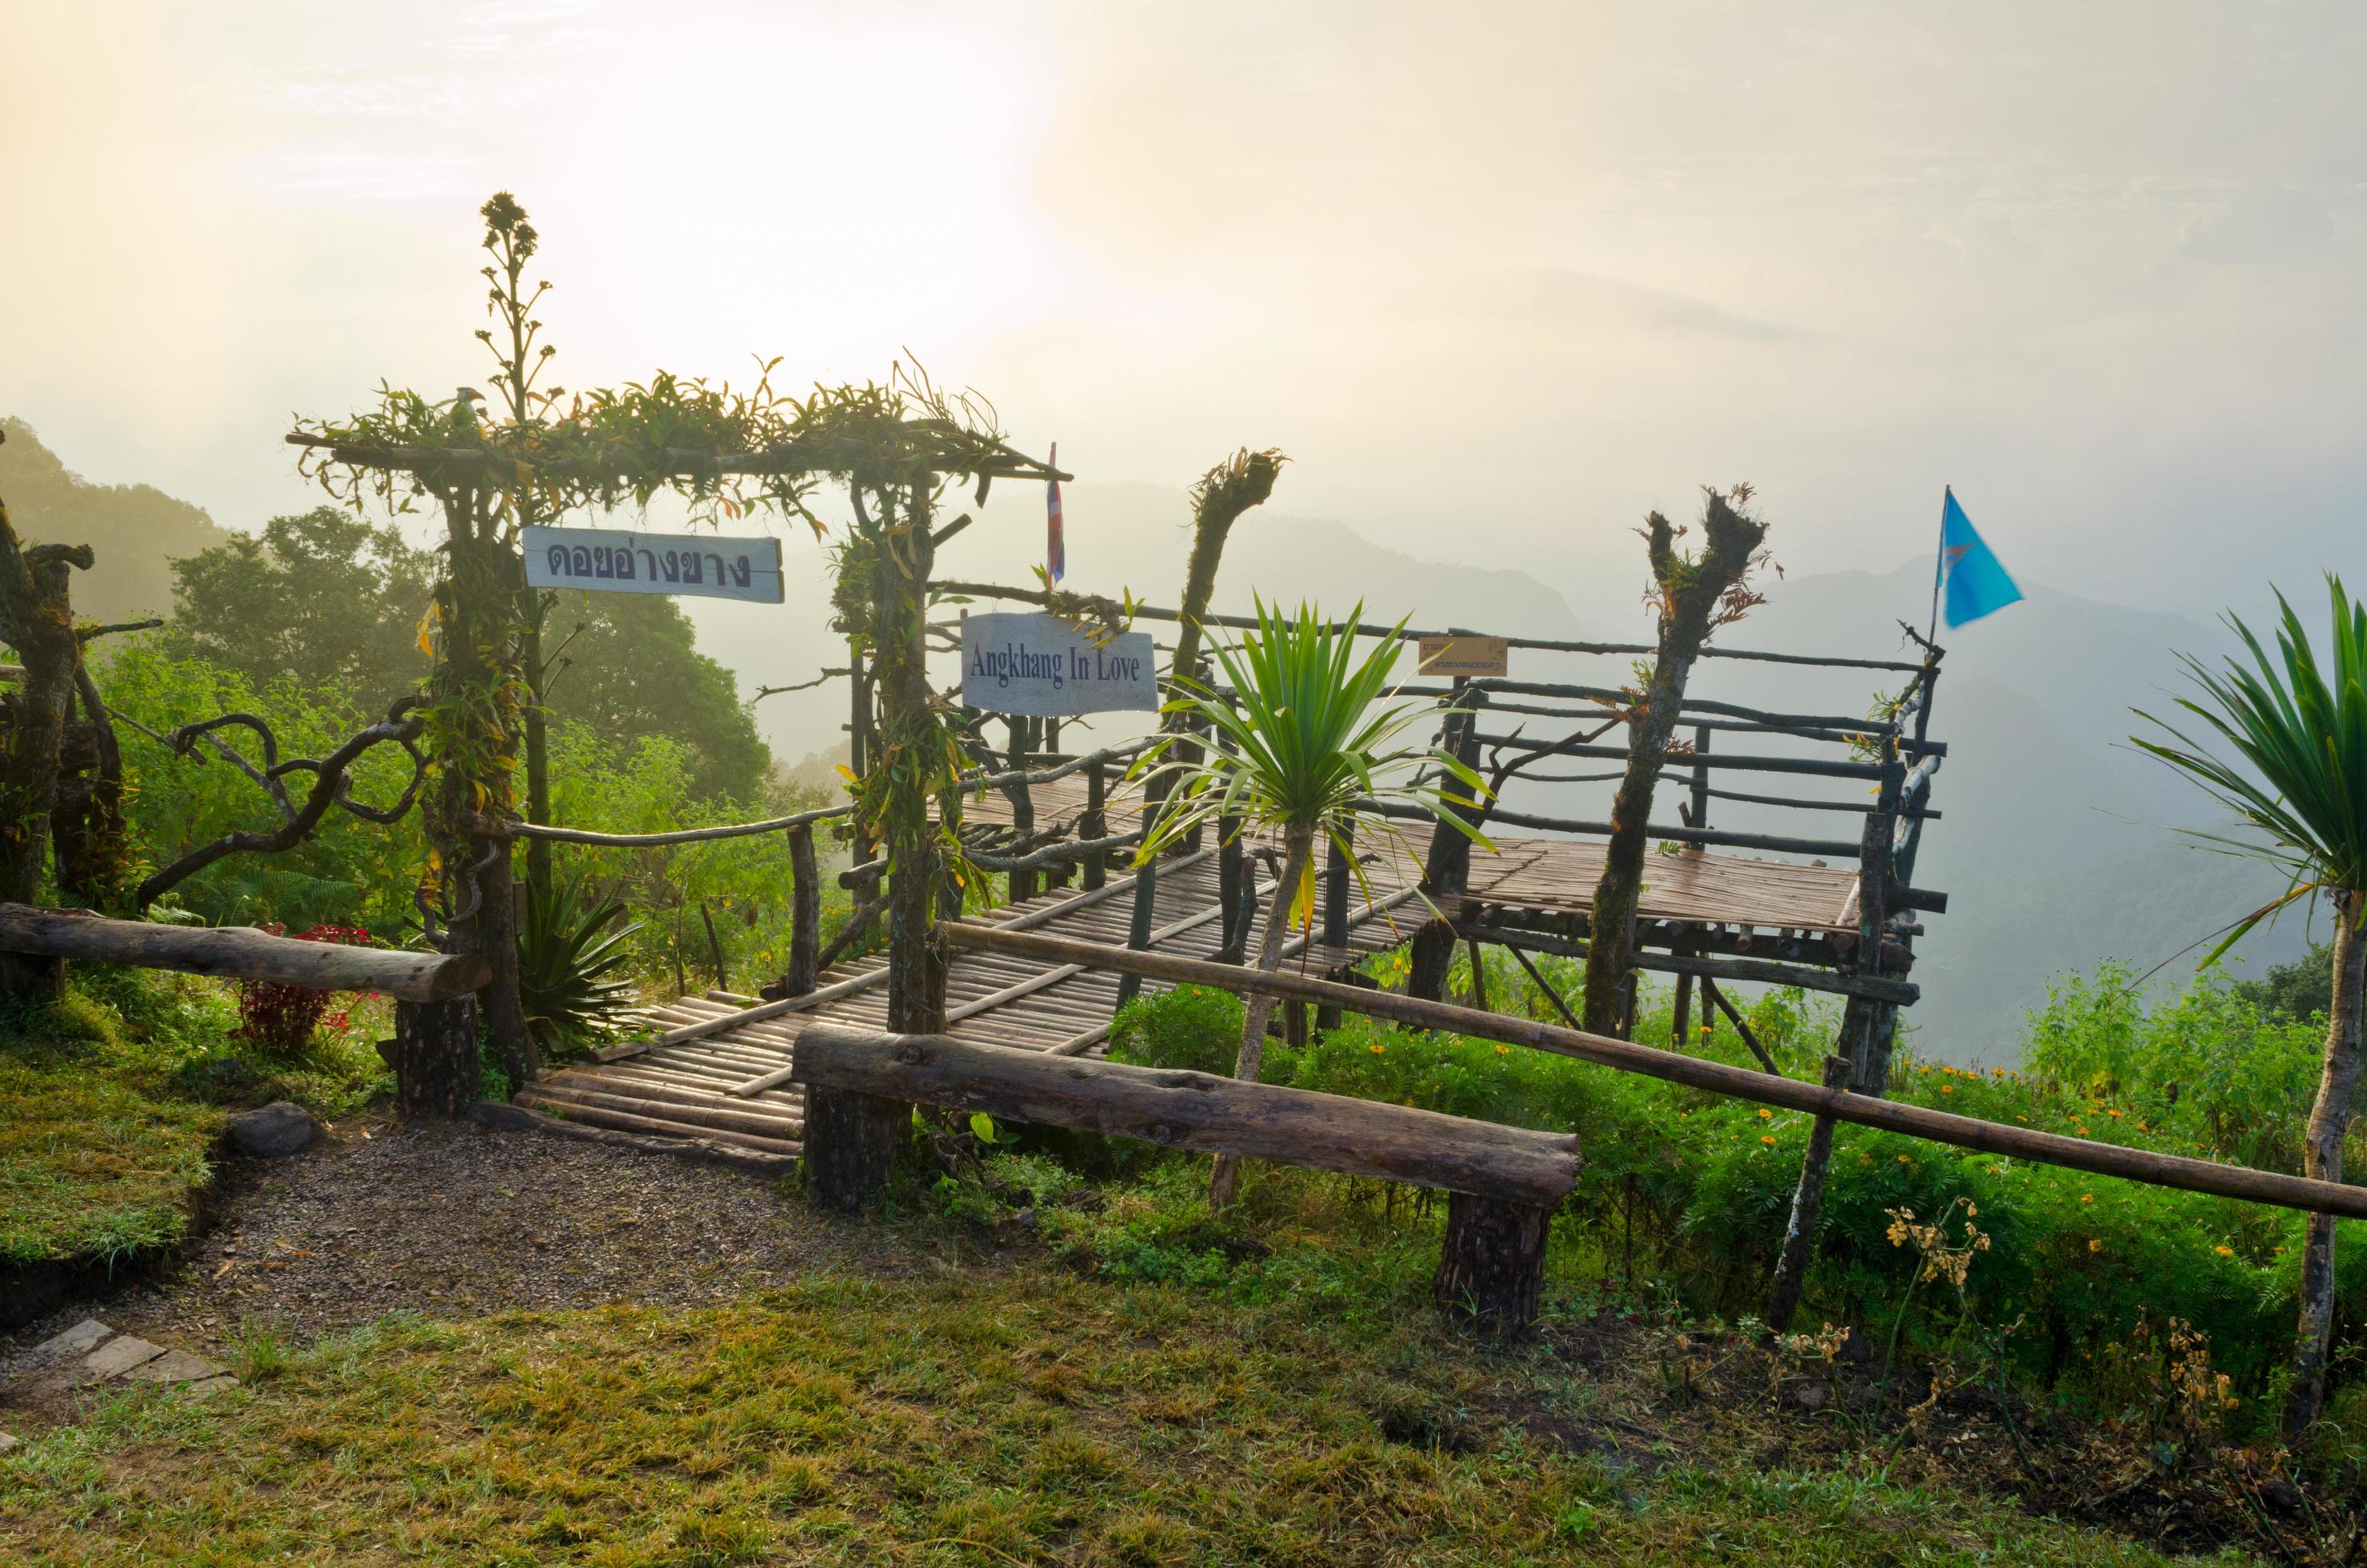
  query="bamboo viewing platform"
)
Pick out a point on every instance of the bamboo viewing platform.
point(1813, 907)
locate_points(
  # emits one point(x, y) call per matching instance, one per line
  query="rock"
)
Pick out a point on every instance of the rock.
point(206, 1387)
point(80, 1340)
point(7, 1442)
point(177, 1367)
point(281, 1127)
point(118, 1356)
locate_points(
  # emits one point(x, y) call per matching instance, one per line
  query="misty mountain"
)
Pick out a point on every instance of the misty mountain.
point(133, 531)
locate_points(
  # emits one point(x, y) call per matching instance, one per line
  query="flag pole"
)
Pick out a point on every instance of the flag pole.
point(1939, 562)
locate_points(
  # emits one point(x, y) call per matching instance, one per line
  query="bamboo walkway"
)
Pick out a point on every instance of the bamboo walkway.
point(719, 1071)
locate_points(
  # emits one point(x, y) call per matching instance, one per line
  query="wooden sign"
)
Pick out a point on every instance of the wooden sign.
point(1465, 656)
point(1041, 666)
point(614, 561)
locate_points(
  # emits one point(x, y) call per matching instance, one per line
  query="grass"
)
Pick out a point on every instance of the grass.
point(110, 1100)
point(996, 1414)
point(90, 1168)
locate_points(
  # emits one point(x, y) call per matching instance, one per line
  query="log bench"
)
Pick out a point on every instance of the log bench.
point(1502, 1183)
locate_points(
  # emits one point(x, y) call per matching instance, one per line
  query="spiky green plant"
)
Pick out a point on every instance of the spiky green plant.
point(572, 953)
point(1305, 750)
point(2299, 782)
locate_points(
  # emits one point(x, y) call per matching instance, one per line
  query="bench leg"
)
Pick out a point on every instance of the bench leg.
point(1491, 1267)
point(849, 1146)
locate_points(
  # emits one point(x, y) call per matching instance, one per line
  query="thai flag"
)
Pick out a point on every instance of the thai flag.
point(1055, 548)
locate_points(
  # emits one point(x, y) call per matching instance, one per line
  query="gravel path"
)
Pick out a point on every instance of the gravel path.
point(458, 1221)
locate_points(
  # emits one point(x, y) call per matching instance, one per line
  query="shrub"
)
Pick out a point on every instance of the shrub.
point(278, 1018)
point(1191, 1026)
point(571, 965)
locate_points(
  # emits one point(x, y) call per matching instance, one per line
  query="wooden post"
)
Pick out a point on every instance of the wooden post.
point(1447, 867)
point(1491, 1263)
point(1338, 876)
point(1234, 922)
point(1138, 931)
point(1681, 1028)
point(435, 1057)
point(1096, 824)
point(805, 914)
point(1701, 777)
point(1861, 1022)
point(849, 1146)
point(1022, 807)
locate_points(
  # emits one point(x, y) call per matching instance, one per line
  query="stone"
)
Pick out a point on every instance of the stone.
point(175, 1367)
point(7, 1442)
point(207, 1387)
point(279, 1128)
point(118, 1356)
point(80, 1340)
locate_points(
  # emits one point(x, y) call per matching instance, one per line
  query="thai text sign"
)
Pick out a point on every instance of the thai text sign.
point(1464, 656)
point(1041, 666)
point(612, 561)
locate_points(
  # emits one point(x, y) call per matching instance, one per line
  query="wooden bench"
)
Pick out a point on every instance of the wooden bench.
point(1502, 1183)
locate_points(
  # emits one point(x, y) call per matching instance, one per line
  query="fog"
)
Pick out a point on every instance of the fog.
point(1499, 278)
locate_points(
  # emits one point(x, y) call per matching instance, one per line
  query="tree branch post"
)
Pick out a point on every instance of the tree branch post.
point(1696, 597)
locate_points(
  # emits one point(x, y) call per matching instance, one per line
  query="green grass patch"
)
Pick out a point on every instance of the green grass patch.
point(997, 1414)
point(90, 1168)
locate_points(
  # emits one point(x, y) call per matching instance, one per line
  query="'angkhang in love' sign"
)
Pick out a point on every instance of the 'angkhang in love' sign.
point(1041, 666)
point(613, 561)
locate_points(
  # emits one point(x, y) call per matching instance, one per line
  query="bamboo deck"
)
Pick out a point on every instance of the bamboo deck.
point(687, 1089)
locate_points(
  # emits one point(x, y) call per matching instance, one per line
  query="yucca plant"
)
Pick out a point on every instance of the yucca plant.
point(572, 962)
point(1307, 757)
point(2299, 782)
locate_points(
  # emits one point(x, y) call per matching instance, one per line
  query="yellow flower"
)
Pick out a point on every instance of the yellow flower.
point(2096, 1244)
point(1767, 1138)
point(1972, 1210)
point(1503, 1051)
point(2224, 1250)
point(1765, 1113)
point(1947, 1088)
point(2111, 1113)
point(1905, 1161)
point(1374, 1048)
point(2087, 1198)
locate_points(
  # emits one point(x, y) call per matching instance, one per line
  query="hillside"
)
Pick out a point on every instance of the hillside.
point(133, 529)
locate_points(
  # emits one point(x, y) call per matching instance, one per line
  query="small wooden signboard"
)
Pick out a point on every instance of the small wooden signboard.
point(1041, 666)
point(1465, 656)
point(615, 561)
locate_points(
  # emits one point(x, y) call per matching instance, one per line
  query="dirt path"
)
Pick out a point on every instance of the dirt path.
point(460, 1222)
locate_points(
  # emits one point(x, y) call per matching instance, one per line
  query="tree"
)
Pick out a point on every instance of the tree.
point(2299, 782)
point(628, 664)
point(2296, 991)
point(36, 620)
point(322, 597)
point(1307, 758)
point(333, 602)
point(1694, 598)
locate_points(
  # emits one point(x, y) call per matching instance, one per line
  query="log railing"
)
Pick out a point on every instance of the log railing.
point(1943, 1127)
point(239, 952)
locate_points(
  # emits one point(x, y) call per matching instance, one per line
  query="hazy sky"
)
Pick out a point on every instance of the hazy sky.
point(1497, 278)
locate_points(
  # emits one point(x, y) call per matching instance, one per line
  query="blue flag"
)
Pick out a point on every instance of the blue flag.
point(1975, 583)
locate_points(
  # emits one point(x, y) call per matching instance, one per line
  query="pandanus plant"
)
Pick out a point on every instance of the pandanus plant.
point(2299, 782)
point(1306, 751)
